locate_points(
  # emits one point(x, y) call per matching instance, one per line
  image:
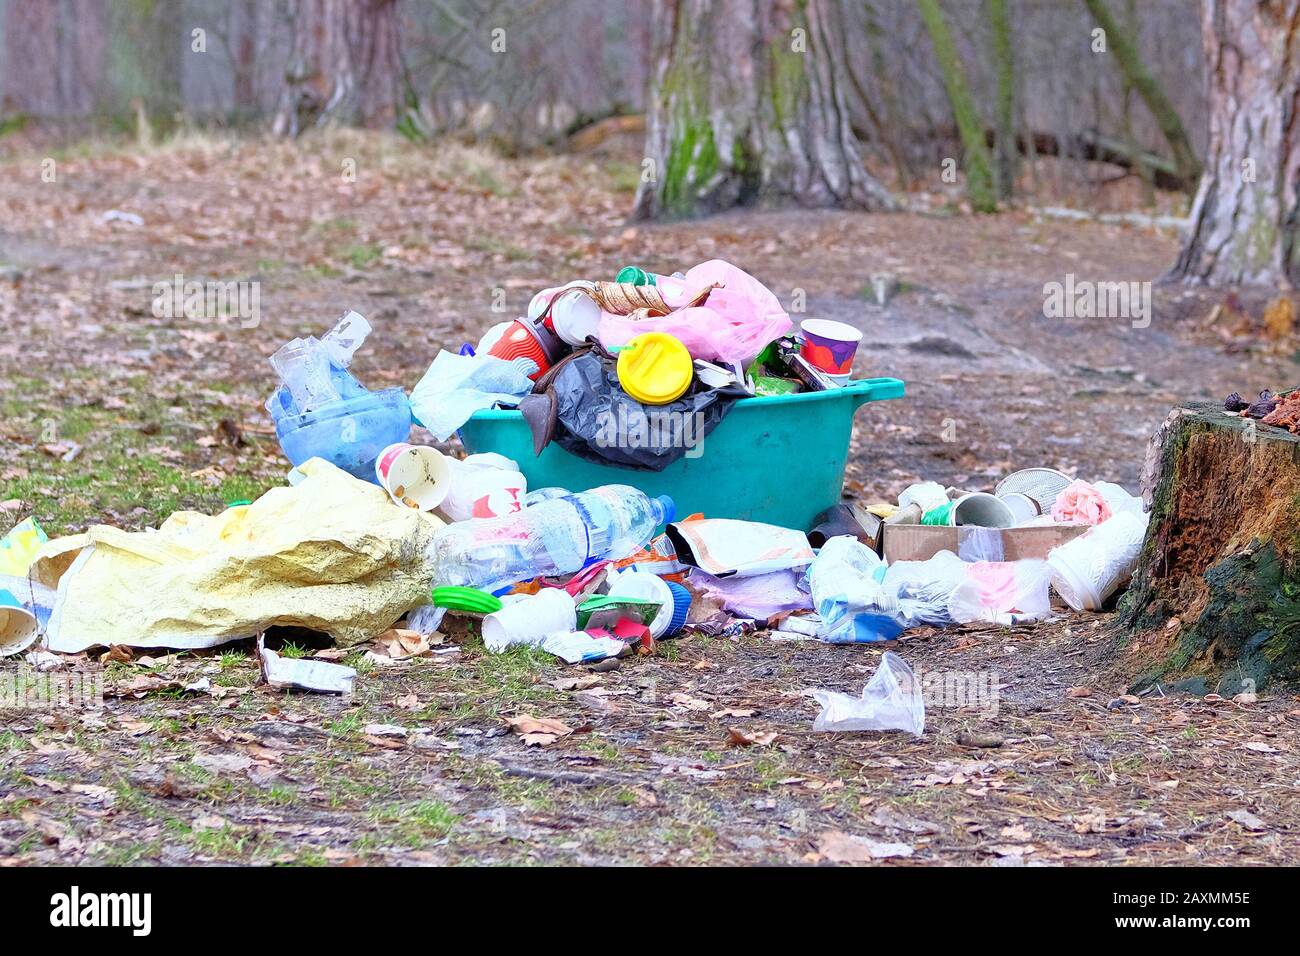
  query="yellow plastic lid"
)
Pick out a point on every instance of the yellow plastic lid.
point(655, 368)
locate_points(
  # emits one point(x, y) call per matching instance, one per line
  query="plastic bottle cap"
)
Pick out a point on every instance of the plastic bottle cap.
point(669, 506)
point(655, 368)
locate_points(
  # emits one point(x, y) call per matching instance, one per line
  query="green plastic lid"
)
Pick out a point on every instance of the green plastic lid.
point(465, 599)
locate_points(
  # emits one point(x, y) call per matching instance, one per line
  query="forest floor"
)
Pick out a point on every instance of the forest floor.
point(111, 414)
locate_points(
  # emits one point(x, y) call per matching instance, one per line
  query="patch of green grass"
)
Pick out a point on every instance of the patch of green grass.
point(623, 176)
point(222, 842)
point(415, 824)
point(498, 247)
point(290, 649)
point(363, 255)
point(129, 854)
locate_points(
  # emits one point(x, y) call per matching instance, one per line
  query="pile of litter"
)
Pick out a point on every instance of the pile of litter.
point(373, 533)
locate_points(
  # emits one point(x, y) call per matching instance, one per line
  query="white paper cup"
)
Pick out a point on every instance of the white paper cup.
point(1022, 506)
point(982, 510)
point(575, 315)
point(414, 475)
point(530, 620)
point(18, 626)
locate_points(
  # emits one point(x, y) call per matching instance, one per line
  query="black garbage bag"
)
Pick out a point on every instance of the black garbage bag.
point(585, 410)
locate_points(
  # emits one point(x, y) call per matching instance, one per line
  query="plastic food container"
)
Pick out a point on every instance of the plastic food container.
point(778, 459)
point(349, 433)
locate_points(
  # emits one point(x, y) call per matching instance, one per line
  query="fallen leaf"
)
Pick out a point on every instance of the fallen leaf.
point(741, 738)
point(840, 847)
point(1079, 692)
point(734, 712)
point(398, 644)
point(1247, 820)
point(1260, 748)
point(538, 731)
point(689, 702)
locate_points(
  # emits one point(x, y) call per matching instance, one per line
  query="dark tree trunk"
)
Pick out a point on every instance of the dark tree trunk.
point(344, 66)
point(748, 106)
point(1216, 595)
point(31, 48)
point(1244, 217)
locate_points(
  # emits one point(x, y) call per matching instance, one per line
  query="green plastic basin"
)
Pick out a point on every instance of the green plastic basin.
point(778, 459)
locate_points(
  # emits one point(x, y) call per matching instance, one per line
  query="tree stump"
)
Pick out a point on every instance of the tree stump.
point(1215, 599)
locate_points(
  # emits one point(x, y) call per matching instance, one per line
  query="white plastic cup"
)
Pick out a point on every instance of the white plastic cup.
point(414, 475)
point(18, 626)
point(982, 510)
point(1088, 569)
point(530, 620)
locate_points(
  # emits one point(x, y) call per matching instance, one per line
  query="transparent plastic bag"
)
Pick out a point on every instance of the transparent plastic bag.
point(891, 700)
point(847, 591)
point(1002, 592)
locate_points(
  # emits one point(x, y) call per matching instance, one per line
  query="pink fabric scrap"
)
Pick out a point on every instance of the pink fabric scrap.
point(1080, 503)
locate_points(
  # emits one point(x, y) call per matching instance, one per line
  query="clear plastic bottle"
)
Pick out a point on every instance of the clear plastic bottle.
point(556, 537)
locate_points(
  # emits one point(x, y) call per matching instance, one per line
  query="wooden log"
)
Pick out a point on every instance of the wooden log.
point(1215, 599)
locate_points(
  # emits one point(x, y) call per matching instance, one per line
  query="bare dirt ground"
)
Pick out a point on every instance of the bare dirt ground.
point(156, 414)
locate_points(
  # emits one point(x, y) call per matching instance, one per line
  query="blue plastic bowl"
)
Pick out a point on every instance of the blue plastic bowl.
point(349, 433)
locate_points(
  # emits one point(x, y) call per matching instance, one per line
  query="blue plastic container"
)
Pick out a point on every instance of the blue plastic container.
point(778, 459)
point(349, 433)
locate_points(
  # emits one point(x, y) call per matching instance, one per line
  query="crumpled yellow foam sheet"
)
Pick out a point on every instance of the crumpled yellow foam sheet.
point(333, 554)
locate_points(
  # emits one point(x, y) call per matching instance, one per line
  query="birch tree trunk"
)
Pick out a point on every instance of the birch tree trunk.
point(344, 65)
point(747, 106)
point(1244, 216)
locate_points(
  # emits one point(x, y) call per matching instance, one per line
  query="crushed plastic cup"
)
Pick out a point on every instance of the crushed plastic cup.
point(483, 486)
point(830, 346)
point(891, 700)
point(530, 620)
point(18, 626)
point(416, 476)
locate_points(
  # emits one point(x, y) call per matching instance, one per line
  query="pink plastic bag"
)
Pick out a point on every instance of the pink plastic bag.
point(734, 325)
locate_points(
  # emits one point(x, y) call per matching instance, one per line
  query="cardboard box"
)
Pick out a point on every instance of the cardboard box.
point(915, 542)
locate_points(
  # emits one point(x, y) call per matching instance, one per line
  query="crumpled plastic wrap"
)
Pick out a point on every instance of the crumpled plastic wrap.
point(457, 386)
point(761, 596)
point(332, 553)
point(597, 420)
point(891, 700)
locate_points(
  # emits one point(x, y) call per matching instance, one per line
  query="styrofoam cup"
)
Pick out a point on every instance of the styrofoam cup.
point(530, 620)
point(414, 473)
point(18, 626)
